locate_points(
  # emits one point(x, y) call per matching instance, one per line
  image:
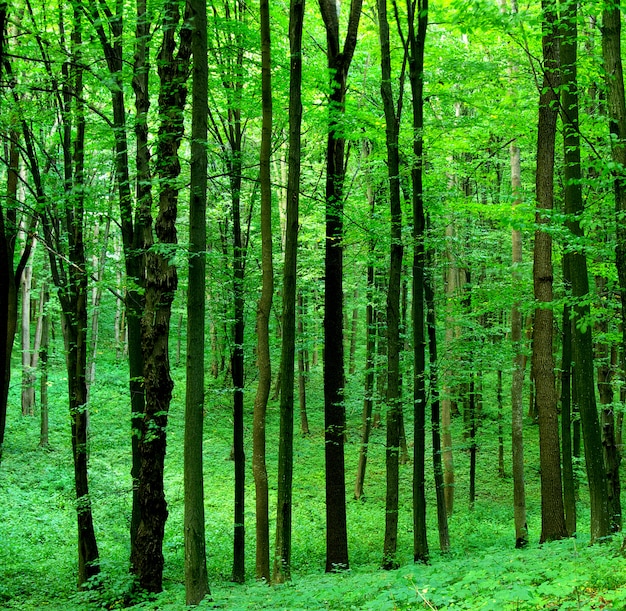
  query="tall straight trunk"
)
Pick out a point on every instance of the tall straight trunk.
point(552, 510)
point(196, 578)
point(452, 285)
point(435, 420)
point(160, 286)
point(302, 368)
point(281, 571)
point(582, 346)
point(338, 62)
point(28, 374)
point(44, 438)
point(517, 383)
point(264, 309)
point(569, 482)
point(99, 13)
point(99, 263)
point(606, 360)
point(416, 42)
point(394, 398)
point(370, 349)
point(616, 107)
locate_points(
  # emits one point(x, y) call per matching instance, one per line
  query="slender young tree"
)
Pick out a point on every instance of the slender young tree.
point(64, 226)
point(264, 308)
point(281, 570)
point(99, 14)
point(517, 383)
point(416, 41)
point(394, 397)
point(196, 579)
point(338, 60)
point(552, 510)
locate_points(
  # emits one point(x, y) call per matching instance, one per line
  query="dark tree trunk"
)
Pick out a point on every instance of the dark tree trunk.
point(394, 398)
point(281, 571)
point(132, 230)
point(517, 383)
point(264, 309)
point(569, 485)
point(616, 106)
point(552, 511)
point(302, 369)
point(416, 42)
point(370, 348)
point(334, 374)
point(196, 579)
point(435, 421)
point(582, 347)
point(160, 286)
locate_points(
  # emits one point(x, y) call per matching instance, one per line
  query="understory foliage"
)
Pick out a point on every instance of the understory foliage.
point(482, 571)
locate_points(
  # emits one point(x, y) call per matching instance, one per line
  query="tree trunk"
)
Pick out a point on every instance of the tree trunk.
point(517, 383)
point(196, 578)
point(394, 398)
point(616, 107)
point(416, 43)
point(302, 369)
point(552, 511)
point(370, 348)
point(44, 439)
point(281, 571)
point(131, 229)
point(442, 515)
point(338, 60)
point(160, 286)
point(264, 309)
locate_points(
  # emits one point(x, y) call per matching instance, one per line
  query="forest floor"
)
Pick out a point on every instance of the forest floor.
point(482, 571)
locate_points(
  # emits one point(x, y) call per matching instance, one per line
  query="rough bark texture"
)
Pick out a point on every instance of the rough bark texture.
point(264, 309)
point(196, 579)
point(338, 61)
point(616, 110)
point(552, 511)
point(435, 421)
point(394, 398)
point(416, 42)
point(582, 347)
point(160, 286)
point(281, 571)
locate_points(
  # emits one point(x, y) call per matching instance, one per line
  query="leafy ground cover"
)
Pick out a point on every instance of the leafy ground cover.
point(483, 571)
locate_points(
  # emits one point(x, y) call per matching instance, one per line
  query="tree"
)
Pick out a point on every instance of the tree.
point(264, 307)
point(416, 41)
point(63, 226)
point(99, 13)
point(281, 571)
point(196, 579)
point(338, 61)
point(616, 110)
point(517, 410)
point(552, 511)
point(394, 398)
point(160, 286)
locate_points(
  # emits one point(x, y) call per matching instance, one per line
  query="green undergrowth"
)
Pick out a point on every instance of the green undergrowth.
point(483, 570)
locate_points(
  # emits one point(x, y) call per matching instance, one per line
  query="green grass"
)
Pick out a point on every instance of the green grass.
point(483, 570)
